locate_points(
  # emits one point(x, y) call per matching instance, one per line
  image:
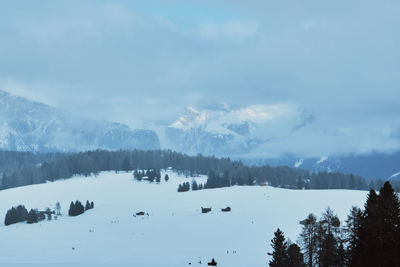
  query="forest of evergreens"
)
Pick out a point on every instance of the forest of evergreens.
point(10, 161)
point(222, 172)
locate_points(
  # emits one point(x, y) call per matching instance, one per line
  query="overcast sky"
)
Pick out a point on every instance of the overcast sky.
point(142, 62)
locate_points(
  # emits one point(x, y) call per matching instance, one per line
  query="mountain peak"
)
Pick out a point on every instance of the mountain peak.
point(33, 126)
point(225, 130)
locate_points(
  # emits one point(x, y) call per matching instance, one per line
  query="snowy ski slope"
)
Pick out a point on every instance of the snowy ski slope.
point(174, 234)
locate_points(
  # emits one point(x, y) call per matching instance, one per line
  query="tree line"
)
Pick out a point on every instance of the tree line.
point(11, 161)
point(221, 172)
point(369, 237)
point(20, 213)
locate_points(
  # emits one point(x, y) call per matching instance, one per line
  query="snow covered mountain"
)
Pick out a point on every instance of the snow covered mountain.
point(281, 134)
point(227, 131)
point(31, 126)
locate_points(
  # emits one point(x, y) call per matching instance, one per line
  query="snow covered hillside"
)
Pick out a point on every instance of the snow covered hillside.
point(174, 234)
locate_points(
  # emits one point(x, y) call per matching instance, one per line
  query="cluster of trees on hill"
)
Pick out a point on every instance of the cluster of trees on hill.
point(21, 214)
point(16, 215)
point(77, 208)
point(221, 171)
point(369, 237)
point(184, 187)
point(196, 186)
point(149, 175)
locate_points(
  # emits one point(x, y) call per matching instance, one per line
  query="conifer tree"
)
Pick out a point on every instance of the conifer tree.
point(295, 257)
point(32, 216)
point(351, 232)
point(308, 238)
point(389, 223)
point(71, 211)
point(79, 208)
point(194, 185)
point(366, 252)
point(328, 231)
point(279, 254)
point(87, 205)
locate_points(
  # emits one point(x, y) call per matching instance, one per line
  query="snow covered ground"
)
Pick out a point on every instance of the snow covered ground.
point(175, 232)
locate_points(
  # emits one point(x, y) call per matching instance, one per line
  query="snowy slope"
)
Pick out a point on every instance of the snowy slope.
point(31, 126)
point(174, 234)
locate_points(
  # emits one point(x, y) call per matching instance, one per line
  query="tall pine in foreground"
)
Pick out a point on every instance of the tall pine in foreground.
point(328, 239)
point(279, 254)
point(378, 243)
point(308, 238)
point(389, 214)
point(351, 232)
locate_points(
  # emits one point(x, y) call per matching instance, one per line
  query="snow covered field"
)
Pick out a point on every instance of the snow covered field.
point(175, 232)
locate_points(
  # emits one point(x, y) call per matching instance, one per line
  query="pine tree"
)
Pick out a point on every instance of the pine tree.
point(72, 211)
point(389, 223)
point(8, 219)
point(279, 253)
point(366, 252)
point(79, 208)
point(87, 206)
point(351, 232)
point(32, 216)
point(328, 231)
point(308, 238)
point(295, 257)
point(194, 185)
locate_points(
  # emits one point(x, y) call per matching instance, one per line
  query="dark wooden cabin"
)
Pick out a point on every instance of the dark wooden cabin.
point(227, 209)
point(205, 210)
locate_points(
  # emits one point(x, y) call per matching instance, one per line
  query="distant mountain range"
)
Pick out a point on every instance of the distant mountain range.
point(372, 165)
point(240, 133)
point(225, 131)
point(250, 133)
point(31, 126)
